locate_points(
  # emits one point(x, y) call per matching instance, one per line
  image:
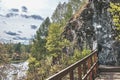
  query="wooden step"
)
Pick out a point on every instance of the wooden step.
point(104, 68)
point(108, 73)
point(108, 76)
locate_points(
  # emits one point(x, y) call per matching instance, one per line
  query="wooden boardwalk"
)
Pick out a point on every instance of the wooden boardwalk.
point(88, 69)
point(108, 73)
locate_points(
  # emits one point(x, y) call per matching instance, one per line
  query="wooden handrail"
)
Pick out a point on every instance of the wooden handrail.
point(86, 69)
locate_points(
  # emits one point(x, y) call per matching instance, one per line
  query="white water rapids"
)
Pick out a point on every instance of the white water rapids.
point(14, 71)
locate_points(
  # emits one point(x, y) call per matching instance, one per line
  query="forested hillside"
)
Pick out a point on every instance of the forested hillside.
point(57, 43)
point(50, 50)
point(12, 52)
point(75, 29)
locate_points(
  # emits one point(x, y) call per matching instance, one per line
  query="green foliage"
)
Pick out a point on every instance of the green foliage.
point(58, 14)
point(10, 52)
point(3, 54)
point(47, 55)
point(38, 47)
point(115, 11)
point(75, 4)
point(85, 52)
point(44, 27)
point(10, 48)
point(33, 68)
point(55, 42)
point(37, 62)
point(53, 39)
point(33, 63)
point(24, 56)
point(77, 54)
point(63, 12)
point(69, 12)
point(18, 48)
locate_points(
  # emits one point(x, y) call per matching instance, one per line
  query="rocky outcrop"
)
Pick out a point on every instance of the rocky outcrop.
point(93, 26)
point(81, 31)
point(103, 24)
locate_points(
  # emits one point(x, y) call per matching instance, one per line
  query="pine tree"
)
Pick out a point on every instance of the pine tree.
point(53, 39)
point(58, 14)
point(38, 47)
point(75, 4)
point(55, 43)
point(18, 48)
point(69, 12)
point(3, 54)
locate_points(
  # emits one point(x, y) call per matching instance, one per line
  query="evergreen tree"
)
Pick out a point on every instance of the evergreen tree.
point(53, 39)
point(9, 48)
point(55, 43)
point(49, 48)
point(75, 4)
point(58, 14)
point(44, 27)
point(69, 12)
point(18, 48)
point(39, 51)
point(3, 54)
point(38, 47)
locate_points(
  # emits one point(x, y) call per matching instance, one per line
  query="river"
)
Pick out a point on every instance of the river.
point(14, 71)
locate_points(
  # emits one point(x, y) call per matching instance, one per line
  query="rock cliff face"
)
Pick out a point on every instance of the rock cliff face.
point(93, 29)
point(103, 28)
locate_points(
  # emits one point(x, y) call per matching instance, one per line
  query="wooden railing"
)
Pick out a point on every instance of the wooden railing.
point(85, 69)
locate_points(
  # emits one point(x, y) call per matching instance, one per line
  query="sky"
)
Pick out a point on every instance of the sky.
point(19, 19)
point(42, 7)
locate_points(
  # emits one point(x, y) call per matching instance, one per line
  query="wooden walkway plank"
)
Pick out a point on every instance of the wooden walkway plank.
point(103, 68)
point(108, 73)
point(108, 76)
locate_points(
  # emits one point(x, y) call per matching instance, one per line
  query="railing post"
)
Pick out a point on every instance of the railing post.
point(95, 60)
point(79, 73)
point(71, 75)
point(89, 66)
point(84, 69)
